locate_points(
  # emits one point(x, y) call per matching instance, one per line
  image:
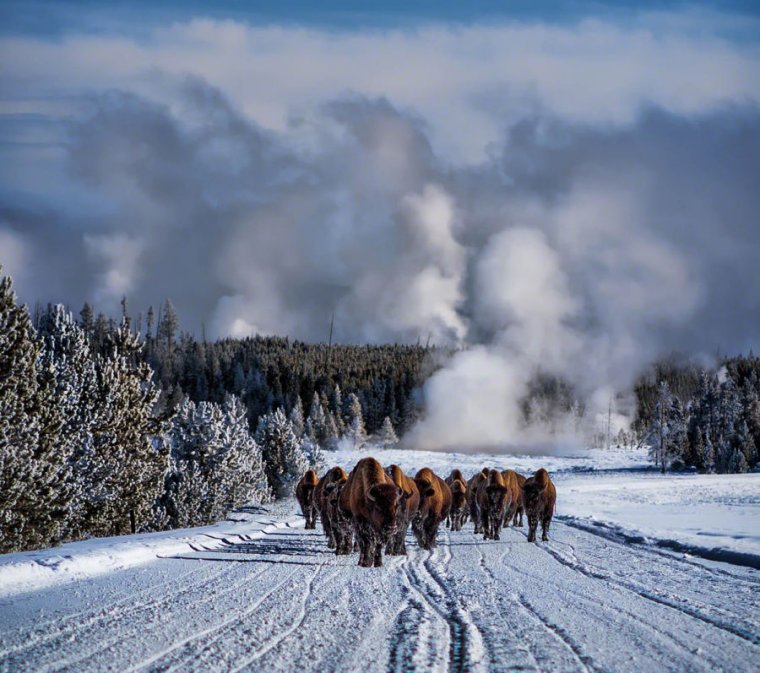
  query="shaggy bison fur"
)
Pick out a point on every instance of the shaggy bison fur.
point(407, 510)
point(435, 503)
point(305, 496)
point(326, 496)
point(540, 499)
point(472, 497)
point(370, 500)
point(494, 499)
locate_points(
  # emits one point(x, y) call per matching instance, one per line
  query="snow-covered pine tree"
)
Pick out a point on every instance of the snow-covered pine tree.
point(387, 435)
point(19, 422)
point(336, 406)
point(315, 424)
point(125, 467)
point(355, 431)
point(284, 461)
point(708, 455)
point(216, 465)
point(659, 439)
point(313, 453)
point(296, 418)
point(320, 426)
point(70, 362)
point(244, 476)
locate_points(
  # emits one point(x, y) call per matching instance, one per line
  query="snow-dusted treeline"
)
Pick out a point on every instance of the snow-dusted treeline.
point(86, 449)
point(704, 419)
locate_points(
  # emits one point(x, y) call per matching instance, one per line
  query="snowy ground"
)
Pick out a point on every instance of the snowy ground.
point(261, 594)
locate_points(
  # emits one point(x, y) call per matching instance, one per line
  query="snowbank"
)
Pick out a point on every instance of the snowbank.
point(27, 571)
point(712, 515)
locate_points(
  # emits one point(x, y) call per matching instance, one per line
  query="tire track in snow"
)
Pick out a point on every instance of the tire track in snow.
point(111, 616)
point(103, 645)
point(584, 662)
point(155, 661)
point(279, 638)
point(497, 649)
point(406, 635)
point(466, 643)
point(43, 630)
point(593, 573)
point(629, 615)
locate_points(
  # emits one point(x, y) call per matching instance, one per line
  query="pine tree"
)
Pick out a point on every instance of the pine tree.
point(125, 466)
point(167, 325)
point(87, 319)
point(355, 430)
point(387, 436)
point(19, 420)
point(216, 465)
point(660, 439)
point(284, 461)
point(336, 406)
point(296, 418)
point(313, 453)
point(69, 363)
point(708, 455)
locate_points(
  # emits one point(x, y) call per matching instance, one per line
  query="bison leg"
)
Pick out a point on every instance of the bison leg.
point(484, 527)
point(545, 521)
point(365, 553)
point(496, 528)
point(327, 528)
point(431, 531)
point(532, 525)
point(378, 556)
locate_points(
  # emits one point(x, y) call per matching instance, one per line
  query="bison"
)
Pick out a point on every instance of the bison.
point(305, 496)
point(458, 512)
point(521, 505)
point(513, 483)
point(326, 496)
point(370, 500)
point(494, 499)
point(472, 497)
point(540, 499)
point(435, 503)
point(410, 502)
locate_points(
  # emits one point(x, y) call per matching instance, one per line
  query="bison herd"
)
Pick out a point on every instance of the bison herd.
point(372, 508)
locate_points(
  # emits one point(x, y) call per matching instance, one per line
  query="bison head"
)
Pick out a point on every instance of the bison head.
point(383, 501)
point(497, 497)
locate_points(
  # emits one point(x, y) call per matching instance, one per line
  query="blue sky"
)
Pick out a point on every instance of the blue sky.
point(62, 16)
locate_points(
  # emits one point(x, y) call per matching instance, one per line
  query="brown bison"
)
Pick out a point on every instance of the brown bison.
point(540, 498)
point(305, 496)
point(326, 496)
point(458, 512)
point(472, 497)
point(521, 505)
point(410, 502)
point(370, 500)
point(494, 499)
point(513, 483)
point(435, 503)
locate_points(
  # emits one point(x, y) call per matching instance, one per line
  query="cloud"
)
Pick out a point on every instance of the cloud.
point(528, 193)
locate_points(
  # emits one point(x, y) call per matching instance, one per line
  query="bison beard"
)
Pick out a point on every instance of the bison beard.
point(540, 498)
point(370, 501)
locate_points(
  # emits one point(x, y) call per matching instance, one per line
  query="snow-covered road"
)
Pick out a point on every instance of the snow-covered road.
point(280, 601)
